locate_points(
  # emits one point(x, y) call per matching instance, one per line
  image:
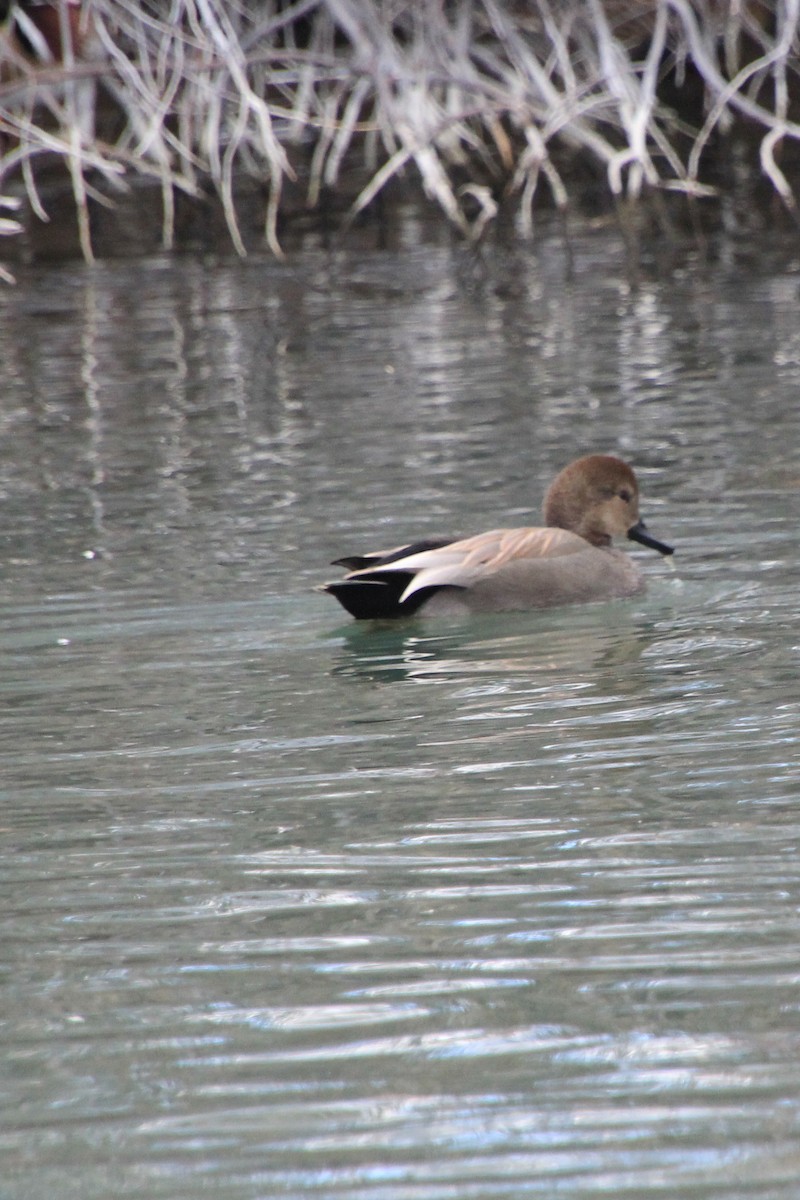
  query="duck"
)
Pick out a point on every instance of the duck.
point(568, 560)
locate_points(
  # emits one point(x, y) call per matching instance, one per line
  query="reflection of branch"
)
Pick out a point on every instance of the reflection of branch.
point(462, 93)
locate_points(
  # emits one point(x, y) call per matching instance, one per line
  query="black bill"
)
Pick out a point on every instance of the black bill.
point(638, 533)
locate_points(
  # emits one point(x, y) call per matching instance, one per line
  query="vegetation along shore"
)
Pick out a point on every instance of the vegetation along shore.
point(482, 106)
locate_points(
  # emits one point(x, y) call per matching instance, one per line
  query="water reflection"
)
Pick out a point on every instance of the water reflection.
point(488, 908)
point(521, 645)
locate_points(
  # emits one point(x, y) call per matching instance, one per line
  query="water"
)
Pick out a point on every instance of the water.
point(294, 907)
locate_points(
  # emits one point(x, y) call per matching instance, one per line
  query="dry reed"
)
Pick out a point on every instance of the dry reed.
point(481, 98)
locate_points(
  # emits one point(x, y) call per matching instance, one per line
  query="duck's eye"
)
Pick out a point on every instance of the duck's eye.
point(625, 495)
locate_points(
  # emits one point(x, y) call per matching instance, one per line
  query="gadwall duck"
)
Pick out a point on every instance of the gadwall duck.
point(569, 561)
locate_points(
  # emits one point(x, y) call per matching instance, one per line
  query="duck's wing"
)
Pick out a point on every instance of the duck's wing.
point(464, 563)
point(379, 558)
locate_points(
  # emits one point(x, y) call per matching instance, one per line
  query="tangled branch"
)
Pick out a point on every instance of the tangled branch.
point(480, 98)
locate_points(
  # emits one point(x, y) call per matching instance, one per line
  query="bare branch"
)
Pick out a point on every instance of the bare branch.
point(473, 98)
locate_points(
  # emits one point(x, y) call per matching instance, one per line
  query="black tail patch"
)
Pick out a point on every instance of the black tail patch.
point(377, 597)
point(370, 594)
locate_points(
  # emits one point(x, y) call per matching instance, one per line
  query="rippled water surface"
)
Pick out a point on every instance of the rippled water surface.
point(297, 907)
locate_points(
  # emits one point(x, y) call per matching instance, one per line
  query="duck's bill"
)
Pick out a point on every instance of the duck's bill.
point(638, 533)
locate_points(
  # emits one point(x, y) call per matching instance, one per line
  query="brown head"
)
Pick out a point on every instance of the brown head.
point(597, 497)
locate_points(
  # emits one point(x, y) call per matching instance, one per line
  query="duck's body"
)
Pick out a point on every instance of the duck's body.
point(568, 561)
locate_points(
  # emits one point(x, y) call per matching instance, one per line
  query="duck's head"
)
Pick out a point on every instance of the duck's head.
point(597, 497)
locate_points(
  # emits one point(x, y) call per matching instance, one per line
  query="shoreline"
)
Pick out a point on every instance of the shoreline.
point(250, 123)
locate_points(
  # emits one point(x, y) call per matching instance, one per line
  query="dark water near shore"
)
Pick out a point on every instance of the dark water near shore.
point(493, 908)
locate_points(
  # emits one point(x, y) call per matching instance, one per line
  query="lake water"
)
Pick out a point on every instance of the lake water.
point(297, 907)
